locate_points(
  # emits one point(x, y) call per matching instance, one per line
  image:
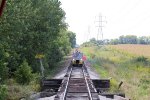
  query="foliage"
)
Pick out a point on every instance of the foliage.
point(141, 59)
point(3, 71)
point(29, 28)
point(32, 27)
point(144, 40)
point(114, 41)
point(72, 38)
point(24, 73)
point(128, 39)
point(131, 39)
point(3, 64)
point(3, 92)
point(92, 42)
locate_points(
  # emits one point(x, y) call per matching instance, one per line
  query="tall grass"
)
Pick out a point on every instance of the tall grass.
point(132, 69)
point(17, 91)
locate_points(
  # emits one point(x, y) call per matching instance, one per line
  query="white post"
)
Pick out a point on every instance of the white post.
point(42, 68)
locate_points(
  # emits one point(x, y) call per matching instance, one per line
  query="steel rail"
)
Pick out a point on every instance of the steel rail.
point(84, 77)
point(65, 92)
point(89, 92)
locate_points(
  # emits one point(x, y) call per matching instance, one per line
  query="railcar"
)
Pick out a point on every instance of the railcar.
point(77, 59)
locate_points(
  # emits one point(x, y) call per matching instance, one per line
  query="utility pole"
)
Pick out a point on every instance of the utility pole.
point(100, 26)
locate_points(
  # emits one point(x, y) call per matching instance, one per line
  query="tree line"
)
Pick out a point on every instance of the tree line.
point(29, 28)
point(128, 39)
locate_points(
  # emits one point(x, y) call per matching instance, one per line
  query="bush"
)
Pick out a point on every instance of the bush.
point(141, 59)
point(3, 92)
point(114, 85)
point(3, 71)
point(24, 73)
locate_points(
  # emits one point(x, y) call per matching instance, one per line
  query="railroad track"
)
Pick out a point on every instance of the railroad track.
point(78, 86)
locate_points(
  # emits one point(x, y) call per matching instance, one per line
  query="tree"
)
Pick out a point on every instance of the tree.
point(3, 71)
point(93, 40)
point(24, 73)
point(72, 38)
point(143, 40)
point(114, 41)
point(122, 39)
point(131, 39)
point(31, 27)
point(128, 39)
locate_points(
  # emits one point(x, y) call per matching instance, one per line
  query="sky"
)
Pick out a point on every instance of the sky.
point(120, 17)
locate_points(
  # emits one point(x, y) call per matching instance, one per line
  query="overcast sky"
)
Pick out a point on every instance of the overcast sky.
point(123, 17)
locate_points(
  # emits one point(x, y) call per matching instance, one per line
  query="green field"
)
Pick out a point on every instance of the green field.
point(133, 70)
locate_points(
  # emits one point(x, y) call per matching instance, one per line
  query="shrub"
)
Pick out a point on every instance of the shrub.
point(3, 92)
point(24, 73)
point(113, 85)
point(141, 59)
point(3, 71)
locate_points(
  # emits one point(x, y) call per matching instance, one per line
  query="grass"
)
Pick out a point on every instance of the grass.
point(121, 65)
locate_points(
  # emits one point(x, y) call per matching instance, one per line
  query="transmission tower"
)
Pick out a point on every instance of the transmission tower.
point(100, 26)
